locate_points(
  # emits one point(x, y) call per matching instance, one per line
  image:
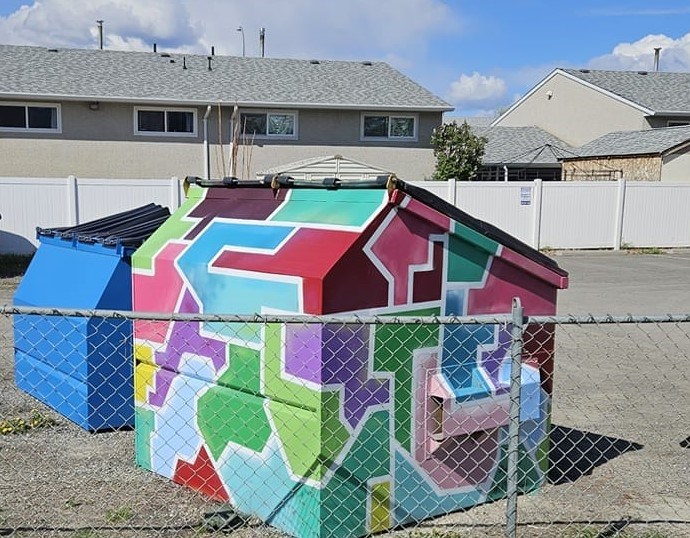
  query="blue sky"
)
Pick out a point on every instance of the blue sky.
point(478, 55)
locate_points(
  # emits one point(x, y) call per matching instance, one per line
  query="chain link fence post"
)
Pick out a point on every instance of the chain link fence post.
point(514, 420)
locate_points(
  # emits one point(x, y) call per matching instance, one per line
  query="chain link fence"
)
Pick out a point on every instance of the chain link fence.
point(343, 426)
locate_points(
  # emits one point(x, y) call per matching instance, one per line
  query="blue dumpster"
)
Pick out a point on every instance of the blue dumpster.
point(81, 366)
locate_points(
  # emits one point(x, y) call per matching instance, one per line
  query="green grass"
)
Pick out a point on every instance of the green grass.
point(13, 264)
point(23, 425)
point(119, 515)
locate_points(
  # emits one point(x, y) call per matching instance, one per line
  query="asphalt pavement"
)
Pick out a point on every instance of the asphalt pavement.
point(625, 282)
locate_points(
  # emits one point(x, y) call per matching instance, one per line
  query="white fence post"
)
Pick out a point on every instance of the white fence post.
point(175, 198)
point(73, 199)
point(536, 213)
point(620, 209)
point(452, 191)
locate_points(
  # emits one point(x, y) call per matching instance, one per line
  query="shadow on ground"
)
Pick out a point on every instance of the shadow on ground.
point(576, 453)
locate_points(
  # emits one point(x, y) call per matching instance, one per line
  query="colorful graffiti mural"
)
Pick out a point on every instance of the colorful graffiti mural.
point(328, 429)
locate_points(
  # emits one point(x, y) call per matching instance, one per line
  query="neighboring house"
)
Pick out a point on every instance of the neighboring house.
point(115, 114)
point(331, 166)
point(661, 154)
point(580, 105)
point(521, 154)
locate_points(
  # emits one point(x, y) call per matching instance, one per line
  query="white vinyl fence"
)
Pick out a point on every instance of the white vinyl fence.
point(554, 215)
point(578, 214)
point(26, 203)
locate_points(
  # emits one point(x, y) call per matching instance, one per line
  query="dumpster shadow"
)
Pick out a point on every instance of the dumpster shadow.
point(576, 453)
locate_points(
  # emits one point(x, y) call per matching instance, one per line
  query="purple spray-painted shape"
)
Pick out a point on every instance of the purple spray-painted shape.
point(185, 338)
point(490, 361)
point(336, 355)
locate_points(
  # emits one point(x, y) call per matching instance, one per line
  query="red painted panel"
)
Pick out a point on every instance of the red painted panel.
point(201, 476)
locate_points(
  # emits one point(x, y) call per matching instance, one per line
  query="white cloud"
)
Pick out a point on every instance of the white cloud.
point(639, 55)
point(72, 23)
point(477, 91)
point(356, 29)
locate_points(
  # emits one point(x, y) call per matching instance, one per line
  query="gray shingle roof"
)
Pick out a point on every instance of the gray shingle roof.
point(647, 142)
point(655, 90)
point(152, 77)
point(521, 145)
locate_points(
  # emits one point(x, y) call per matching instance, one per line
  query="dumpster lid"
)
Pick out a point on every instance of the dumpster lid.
point(390, 182)
point(127, 229)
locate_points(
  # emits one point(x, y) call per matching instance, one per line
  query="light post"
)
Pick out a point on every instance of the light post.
point(241, 30)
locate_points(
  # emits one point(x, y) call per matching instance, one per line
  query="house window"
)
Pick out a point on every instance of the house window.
point(269, 124)
point(35, 117)
point(389, 126)
point(168, 122)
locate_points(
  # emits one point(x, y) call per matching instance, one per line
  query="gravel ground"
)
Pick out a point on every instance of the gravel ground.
point(621, 410)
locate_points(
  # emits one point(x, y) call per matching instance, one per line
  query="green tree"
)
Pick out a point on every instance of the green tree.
point(458, 151)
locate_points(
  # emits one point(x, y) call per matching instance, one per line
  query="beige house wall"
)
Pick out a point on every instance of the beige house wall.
point(573, 112)
point(638, 168)
point(102, 144)
point(676, 167)
point(122, 160)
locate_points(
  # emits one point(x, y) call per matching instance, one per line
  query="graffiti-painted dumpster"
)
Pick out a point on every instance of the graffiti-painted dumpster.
point(336, 429)
point(81, 366)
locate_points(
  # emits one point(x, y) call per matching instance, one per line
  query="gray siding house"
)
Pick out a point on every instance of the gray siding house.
point(580, 105)
point(115, 114)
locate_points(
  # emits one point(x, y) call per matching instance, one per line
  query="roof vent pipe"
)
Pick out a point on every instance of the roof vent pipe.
point(213, 50)
point(184, 62)
point(657, 50)
point(262, 40)
point(209, 58)
point(100, 34)
point(155, 48)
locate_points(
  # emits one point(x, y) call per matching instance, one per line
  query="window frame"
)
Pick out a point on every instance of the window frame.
point(27, 129)
point(267, 113)
point(165, 110)
point(389, 138)
point(677, 123)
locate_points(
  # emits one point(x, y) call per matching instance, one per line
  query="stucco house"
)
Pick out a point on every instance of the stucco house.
point(580, 105)
point(116, 114)
point(661, 154)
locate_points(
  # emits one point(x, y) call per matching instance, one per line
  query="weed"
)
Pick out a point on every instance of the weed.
point(23, 425)
point(436, 533)
point(641, 250)
point(13, 264)
point(119, 515)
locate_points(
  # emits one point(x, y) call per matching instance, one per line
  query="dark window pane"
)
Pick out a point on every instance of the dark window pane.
point(402, 127)
point(180, 122)
point(376, 126)
point(281, 124)
point(42, 117)
point(151, 121)
point(12, 116)
point(253, 123)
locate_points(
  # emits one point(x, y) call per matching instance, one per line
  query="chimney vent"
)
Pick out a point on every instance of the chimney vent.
point(155, 48)
point(657, 51)
point(213, 50)
point(262, 40)
point(100, 34)
point(184, 62)
point(209, 58)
